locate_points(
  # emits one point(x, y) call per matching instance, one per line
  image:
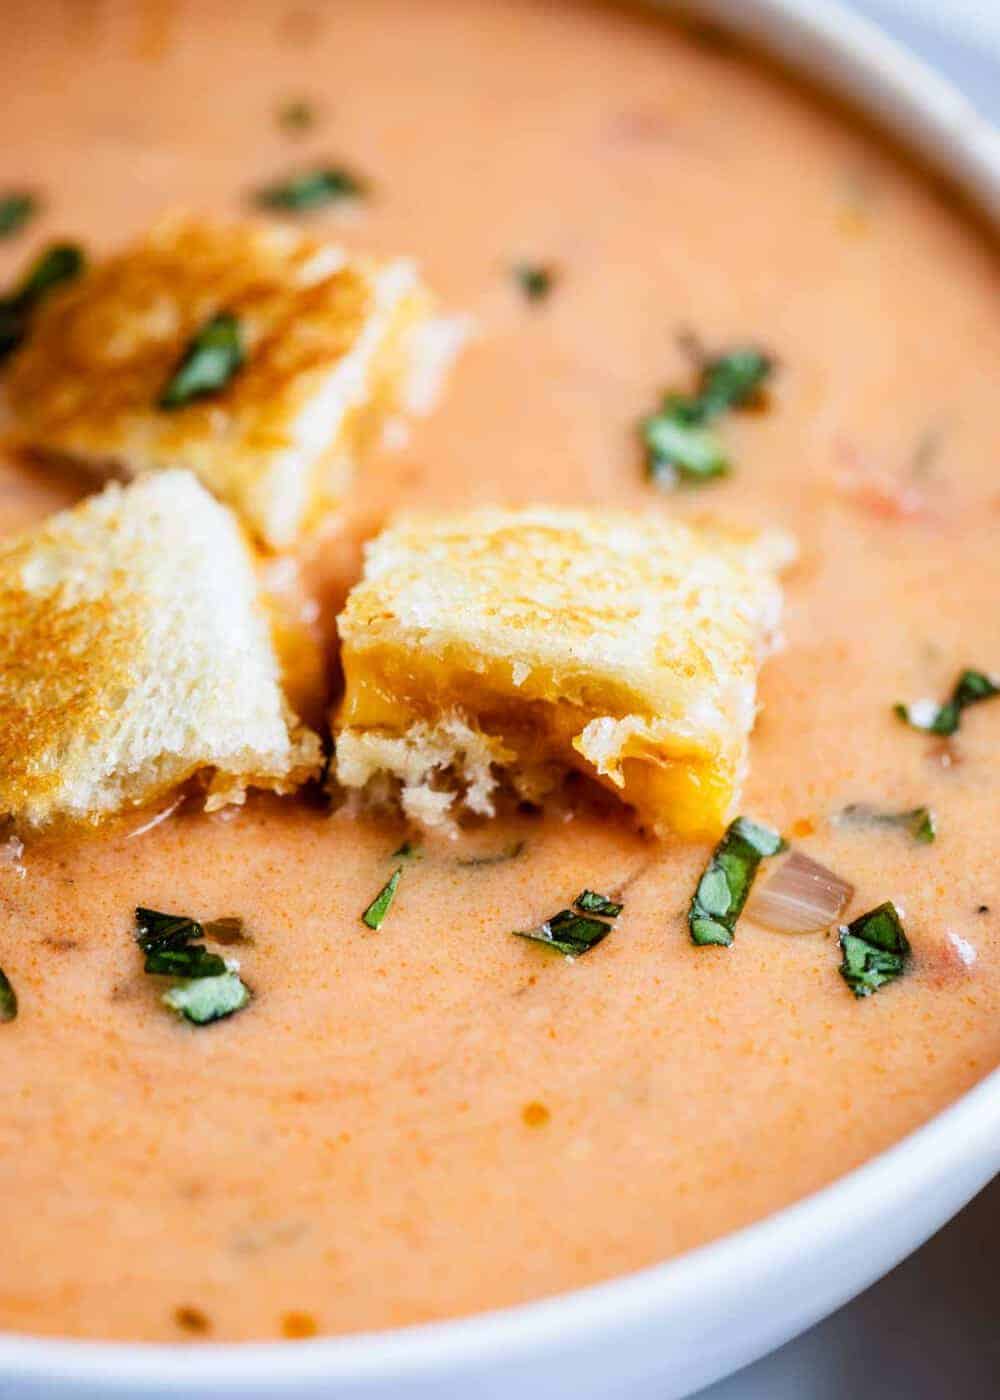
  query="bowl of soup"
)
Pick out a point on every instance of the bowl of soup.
point(428, 1158)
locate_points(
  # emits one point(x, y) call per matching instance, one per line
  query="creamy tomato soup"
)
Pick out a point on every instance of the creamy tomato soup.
point(436, 1117)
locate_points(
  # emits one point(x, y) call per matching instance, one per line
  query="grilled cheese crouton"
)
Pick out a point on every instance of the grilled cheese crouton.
point(133, 654)
point(332, 347)
point(533, 641)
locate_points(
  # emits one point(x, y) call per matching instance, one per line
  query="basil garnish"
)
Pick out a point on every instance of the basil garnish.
point(229, 929)
point(919, 822)
point(592, 903)
point(535, 279)
point(211, 359)
point(8, 998)
point(16, 208)
point(510, 852)
point(59, 263)
point(296, 115)
point(676, 449)
point(209, 989)
point(168, 940)
point(380, 905)
point(209, 999)
point(970, 688)
point(680, 445)
point(573, 933)
point(311, 189)
point(723, 888)
point(875, 950)
point(733, 380)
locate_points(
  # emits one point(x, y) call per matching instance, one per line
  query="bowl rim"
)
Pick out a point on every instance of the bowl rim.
point(848, 55)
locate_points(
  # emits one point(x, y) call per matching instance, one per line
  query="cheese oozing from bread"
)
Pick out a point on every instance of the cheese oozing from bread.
point(338, 349)
point(133, 654)
point(523, 643)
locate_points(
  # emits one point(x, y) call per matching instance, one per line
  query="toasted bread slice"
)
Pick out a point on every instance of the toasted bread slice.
point(334, 348)
point(532, 641)
point(133, 654)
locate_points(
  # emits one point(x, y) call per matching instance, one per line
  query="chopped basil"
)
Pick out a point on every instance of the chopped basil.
point(723, 888)
point(568, 933)
point(311, 189)
point(680, 447)
point(296, 115)
point(592, 903)
point(60, 262)
point(168, 940)
point(380, 905)
point(510, 852)
point(210, 989)
point(209, 999)
point(875, 950)
point(227, 930)
point(8, 998)
point(192, 962)
point(919, 822)
point(733, 380)
point(211, 359)
point(970, 688)
point(16, 208)
point(156, 931)
point(677, 450)
point(535, 279)
point(573, 933)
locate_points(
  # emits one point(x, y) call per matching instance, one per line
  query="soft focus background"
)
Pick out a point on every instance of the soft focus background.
point(931, 1330)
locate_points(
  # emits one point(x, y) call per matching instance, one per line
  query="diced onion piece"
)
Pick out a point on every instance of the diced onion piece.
point(801, 896)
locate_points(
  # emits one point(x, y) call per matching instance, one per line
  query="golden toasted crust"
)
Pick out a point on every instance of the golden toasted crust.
point(132, 655)
point(328, 341)
point(626, 646)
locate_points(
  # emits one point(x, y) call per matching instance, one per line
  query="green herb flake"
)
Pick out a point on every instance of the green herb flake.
point(875, 950)
point(678, 451)
point(296, 115)
point(723, 888)
point(510, 852)
point(409, 850)
point(191, 962)
point(168, 941)
point(16, 208)
point(536, 280)
point(918, 822)
point(572, 932)
point(227, 930)
point(312, 189)
point(208, 999)
point(568, 933)
point(733, 380)
point(592, 903)
point(61, 262)
point(970, 688)
point(8, 998)
point(209, 989)
point(156, 931)
point(213, 356)
point(380, 905)
point(680, 447)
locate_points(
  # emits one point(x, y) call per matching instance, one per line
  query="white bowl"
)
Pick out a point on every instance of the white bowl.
point(673, 1328)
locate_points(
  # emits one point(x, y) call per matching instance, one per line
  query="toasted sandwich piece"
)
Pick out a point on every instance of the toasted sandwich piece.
point(134, 654)
point(518, 644)
point(333, 348)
